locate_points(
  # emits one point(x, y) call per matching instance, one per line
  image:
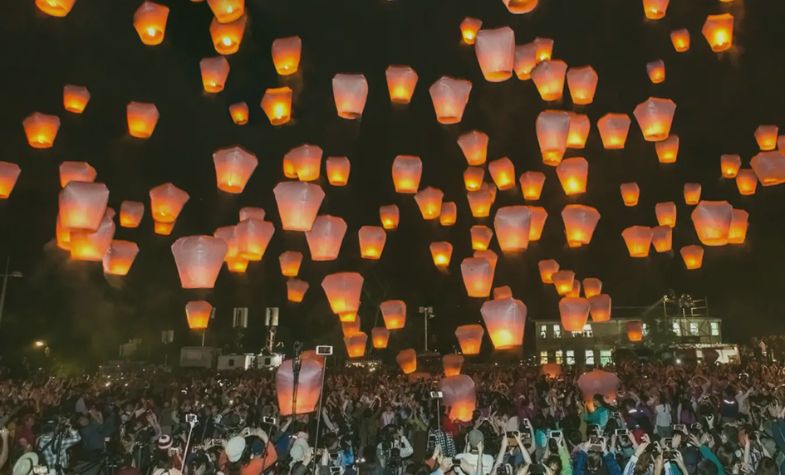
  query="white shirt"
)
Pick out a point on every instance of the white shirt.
point(471, 459)
point(663, 415)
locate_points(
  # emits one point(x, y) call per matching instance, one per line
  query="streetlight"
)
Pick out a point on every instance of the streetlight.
point(427, 313)
point(6, 275)
point(39, 343)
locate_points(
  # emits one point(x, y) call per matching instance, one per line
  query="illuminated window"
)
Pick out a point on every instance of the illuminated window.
point(676, 328)
point(715, 328)
point(605, 357)
point(570, 357)
point(559, 357)
point(543, 331)
point(587, 331)
point(543, 357)
point(693, 328)
point(589, 357)
point(557, 331)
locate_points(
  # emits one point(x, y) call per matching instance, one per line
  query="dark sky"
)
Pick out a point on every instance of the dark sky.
point(721, 99)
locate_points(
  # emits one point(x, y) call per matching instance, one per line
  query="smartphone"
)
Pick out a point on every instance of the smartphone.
point(554, 434)
point(680, 427)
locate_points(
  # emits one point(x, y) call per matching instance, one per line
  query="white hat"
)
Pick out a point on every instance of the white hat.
point(234, 448)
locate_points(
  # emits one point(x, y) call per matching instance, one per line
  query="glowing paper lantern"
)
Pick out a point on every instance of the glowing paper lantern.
point(441, 253)
point(495, 51)
point(531, 185)
point(227, 11)
point(746, 182)
point(654, 116)
point(355, 344)
point(548, 77)
point(505, 320)
point(680, 40)
point(325, 237)
point(662, 238)
point(296, 290)
point(448, 214)
point(473, 178)
point(512, 225)
point(576, 289)
point(481, 237)
point(600, 308)
point(477, 275)
point(166, 202)
point(692, 193)
point(553, 128)
point(635, 331)
point(579, 130)
point(93, 245)
point(233, 168)
point(407, 361)
point(82, 205)
point(579, 224)
point(656, 71)
point(429, 200)
point(480, 202)
point(343, 291)
point(638, 240)
point(449, 97)
point(543, 48)
point(452, 364)
point(769, 167)
point(253, 237)
point(227, 36)
point(249, 212)
point(551, 370)
point(737, 232)
point(525, 60)
point(711, 220)
point(460, 396)
point(563, 281)
point(290, 262)
point(239, 113)
point(41, 129)
point(718, 31)
point(692, 256)
point(630, 193)
point(503, 292)
point(613, 130)
point(338, 169)
point(380, 337)
point(668, 149)
point(198, 313)
point(502, 172)
point(55, 8)
point(401, 81)
point(547, 268)
point(573, 173)
point(277, 105)
point(75, 98)
point(9, 173)
point(214, 70)
point(666, 213)
point(591, 286)
point(469, 28)
point(142, 118)
point(309, 383)
point(394, 314)
point(150, 22)
point(766, 137)
point(350, 323)
point(538, 218)
point(119, 257)
point(286, 54)
point(406, 173)
point(730, 165)
point(76, 171)
point(163, 229)
point(574, 313)
point(306, 161)
point(389, 216)
point(198, 260)
point(470, 338)
point(474, 145)
point(582, 83)
point(372, 239)
point(350, 92)
point(298, 204)
point(520, 6)
point(598, 382)
point(655, 9)
point(488, 255)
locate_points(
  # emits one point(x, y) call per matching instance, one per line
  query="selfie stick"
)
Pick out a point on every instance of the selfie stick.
point(188, 442)
point(319, 408)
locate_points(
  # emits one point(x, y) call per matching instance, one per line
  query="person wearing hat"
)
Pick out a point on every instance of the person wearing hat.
point(473, 460)
point(300, 450)
point(166, 454)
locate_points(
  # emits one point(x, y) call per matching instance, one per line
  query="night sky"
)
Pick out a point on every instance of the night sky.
point(721, 99)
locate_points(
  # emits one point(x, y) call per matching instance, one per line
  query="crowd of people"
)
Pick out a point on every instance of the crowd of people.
point(666, 419)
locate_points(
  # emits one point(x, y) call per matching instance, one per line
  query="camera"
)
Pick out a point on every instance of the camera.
point(270, 420)
point(437, 395)
point(554, 434)
point(324, 350)
point(679, 428)
point(191, 419)
point(623, 437)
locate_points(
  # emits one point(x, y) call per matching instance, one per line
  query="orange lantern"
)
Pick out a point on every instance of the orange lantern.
point(711, 220)
point(198, 313)
point(389, 216)
point(394, 314)
point(308, 386)
point(655, 9)
point(539, 216)
point(547, 268)
point(449, 213)
point(306, 161)
point(229, 235)
point(582, 83)
point(630, 193)
point(548, 77)
point(93, 245)
point(656, 71)
point(576, 289)
point(350, 92)
point(214, 70)
point(298, 204)
point(495, 51)
point(401, 81)
point(574, 313)
point(692, 193)
point(766, 136)
point(290, 262)
point(452, 364)
point(737, 232)
point(598, 382)
point(473, 178)
point(551, 370)
point(579, 130)
point(142, 118)
point(407, 360)
point(239, 113)
point(469, 28)
point(277, 105)
point(166, 202)
point(729, 165)
point(553, 128)
point(503, 292)
point(55, 8)
point(481, 237)
point(286, 54)
point(746, 182)
point(502, 172)
point(668, 149)
point(350, 323)
point(470, 338)
point(251, 237)
point(325, 237)
point(680, 40)
point(249, 212)
point(449, 97)
point(429, 200)
point(692, 256)
point(635, 331)
point(718, 31)
point(233, 168)
point(380, 336)
point(75, 98)
point(150, 22)
point(769, 168)
point(638, 240)
point(662, 238)
point(76, 171)
point(355, 344)
point(591, 286)
point(459, 396)
point(198, 260)
point(372, 239)
point(296, 289)
point(119, 257)
point(227, 36)
point(474, 145)
point(573, 173)
point(227, 11)
point(343, 291)
point(489, 255)
point(477, 275)
point(41, 129)
point(531, 185)
point(579, 224)
point(563, 281)
point(666, 213)
point(441, 253)
point(613, 130)
point(480, 201)
point(338, 169)
point(506, 321)
point(512, 225)
point(543, 48)
point(520, 6)
point(82, 205)
point(600, 308)
point(654, 116)
point(163, 229)
point(406, 173)
point(525, 60)
point(9, 173)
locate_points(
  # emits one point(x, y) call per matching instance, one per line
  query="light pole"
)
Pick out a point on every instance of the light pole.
point(6, 275)
point(427, 313)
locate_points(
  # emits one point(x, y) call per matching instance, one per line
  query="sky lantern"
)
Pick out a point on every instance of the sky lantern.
point(563, 281)
point(469, 28)
point(574, 313)
point(229, 235)
point(76, 171)
point(248, 212)
point(543, 48)
point(579, 224)
point(429, 200)
point(459, 396)
point(597, 382)
point(452, 364)
point(41, 129)
point(337, 169)
point(662, 238)
point(406, 173)
point(286, 55)
point(630, 193)
point(769, 167)
point(638, 240)
point(718, 31)
point(711, 220)
point(470, 338)
point(237, 265)
point(481, 236)
point(474, 145)
point(655, 9)
point(239, 113)
point(214, 70)
point(166, 202)
point(55, 8)
point(441, 253)
point(150, 22)
point(253, 237)
point(547, 268)
point(325, 237)
point(449, 213)
point(730, 165)
point(407, 361)
point(502, 172)
point(680, 39)
point(355, 345)
point(298, 204)
point(227, 36)
point(520, 6)
point(93, 245)
point(309, 383)
point(746, 182)
point(480, 202)
point(552, 127)
point(306, 161)
point(277, 105)
point(372, 239)
point(766, 136)
point(350, 92)
point(75, 98)
point(668, 149)
point(197, 313)
point(477, 275)
point(512, 225)
point(226, 11)
point(592, 286)
point(539, 216)
point(142, 117)
point(656, 71)
point(737, 232)
point(233, 168)
point(503, 292)
point(119, 257)
point(576, 289)
point(531, 185)
point(551, 371)
point(290, 262)
point(449, 97)
point(296, 290)
point(343, 291)
point(489, 255)
point(473, 178)
point(548, 77)
point(506, 321)
point(600, 308)
point(198, 260)
point(401, 81)
point(635, 331)
point(666, 213)
point(525, 60)
point(9, 173)
point(495, 51)
point(613, 130)
point(654, 116)
point(380, 337)
point(389, 215)
point(82, 205)
point(579, 130)
point(692, 256)
point(582, 83)
point(692, 193)
point(573, 173)
point(394, 314)
point(350, 323)
point(162, 229)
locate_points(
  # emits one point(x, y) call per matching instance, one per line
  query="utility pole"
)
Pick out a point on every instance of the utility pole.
point(6, 275)
point(427, 313)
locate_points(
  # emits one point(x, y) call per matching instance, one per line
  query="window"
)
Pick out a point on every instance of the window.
point(587, 331)
point(570, 357)
point(715, 328)
point(589, 357)
point(605, 357)
point(676, 328)
point(559, 357)
point(693, 328)
point(543, 357)
point(557, 331)
point(543, 331)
